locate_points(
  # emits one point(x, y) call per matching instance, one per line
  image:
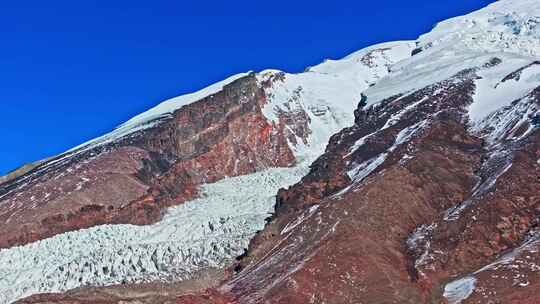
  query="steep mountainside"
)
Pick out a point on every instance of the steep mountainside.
point(218, 155)
point(427, 191)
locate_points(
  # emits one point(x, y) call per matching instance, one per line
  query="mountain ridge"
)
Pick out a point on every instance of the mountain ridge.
point(425, 193)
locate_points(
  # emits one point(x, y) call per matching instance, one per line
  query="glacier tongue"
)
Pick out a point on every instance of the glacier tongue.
point(208, 232)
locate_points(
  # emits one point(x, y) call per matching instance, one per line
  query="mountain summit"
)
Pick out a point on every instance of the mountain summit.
point(407, 172)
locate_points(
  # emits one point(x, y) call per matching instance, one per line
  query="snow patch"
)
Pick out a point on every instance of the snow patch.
point(508, 30)
point(457, 291)
point(420, 240)
point(492, 94)
point(482, 187)
point(360, 171)
point(302, 218)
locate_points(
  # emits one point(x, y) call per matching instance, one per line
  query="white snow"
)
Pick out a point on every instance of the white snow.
point(503, 123)
point(396, 117)
point(457, 291)
point(421, 238)
point(530, 244)
point(329, 92)
point(507, 29)
point(491, 94)
point(302, 218)
point(360, 171)
point(406, 134)
point(480, 189)
point(506, 25)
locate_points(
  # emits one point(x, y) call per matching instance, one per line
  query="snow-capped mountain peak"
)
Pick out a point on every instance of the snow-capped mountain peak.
point(411, 170)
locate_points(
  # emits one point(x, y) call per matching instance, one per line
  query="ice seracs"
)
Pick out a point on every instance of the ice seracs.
point(205, 233)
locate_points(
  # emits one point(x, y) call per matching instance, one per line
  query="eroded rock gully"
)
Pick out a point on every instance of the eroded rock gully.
point(388, 238)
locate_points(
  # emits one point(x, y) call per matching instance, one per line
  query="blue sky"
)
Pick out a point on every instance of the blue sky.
point(73, 70)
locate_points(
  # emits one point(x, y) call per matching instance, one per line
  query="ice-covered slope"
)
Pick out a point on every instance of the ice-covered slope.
point(204, 233)
point(508, 30)
point(210, 231)
point(326, 92)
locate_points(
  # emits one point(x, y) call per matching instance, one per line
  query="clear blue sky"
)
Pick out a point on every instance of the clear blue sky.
point(73, 70)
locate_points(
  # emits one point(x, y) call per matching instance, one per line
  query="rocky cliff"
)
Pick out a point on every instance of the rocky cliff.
point(132, 179)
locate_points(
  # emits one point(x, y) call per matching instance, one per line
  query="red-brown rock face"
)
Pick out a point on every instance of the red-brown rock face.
point(365, 225)
point(132, 180)
point(394, 211)
point(337, 234)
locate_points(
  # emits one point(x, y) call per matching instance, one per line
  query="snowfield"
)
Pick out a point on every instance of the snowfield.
point(459, 290)
point(330, 91)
